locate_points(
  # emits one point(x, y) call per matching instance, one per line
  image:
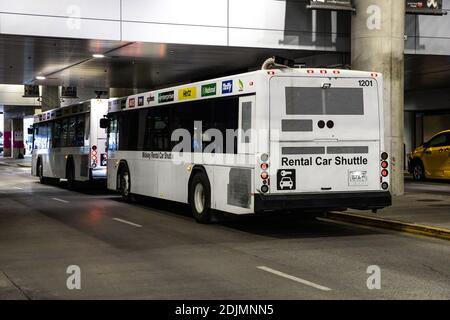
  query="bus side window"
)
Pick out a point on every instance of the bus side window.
point(246, 121)
point(71, 132)
point(226, 117)
point(35, 136)
point(113, 134)
point(44, 135)
point(246, 107)
point(79, 136)
point(64, 132)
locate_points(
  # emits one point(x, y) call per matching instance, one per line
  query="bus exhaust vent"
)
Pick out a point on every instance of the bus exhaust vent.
point(239, 187)
point(279, 63)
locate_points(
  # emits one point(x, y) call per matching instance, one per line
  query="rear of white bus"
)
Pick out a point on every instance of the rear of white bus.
point(326, 142)
point(98, 153)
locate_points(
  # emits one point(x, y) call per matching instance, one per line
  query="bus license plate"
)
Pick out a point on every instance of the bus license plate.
point(357, 178)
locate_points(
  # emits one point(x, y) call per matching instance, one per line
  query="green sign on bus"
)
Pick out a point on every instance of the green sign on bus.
point(209, 90)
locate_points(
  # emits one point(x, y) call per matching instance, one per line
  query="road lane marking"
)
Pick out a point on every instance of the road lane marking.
point(128, 222)
point(296, 279)
point(60, 200)
point(18, 188)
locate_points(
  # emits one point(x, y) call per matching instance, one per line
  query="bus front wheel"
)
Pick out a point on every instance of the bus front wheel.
point(124, 182)
point(200, 198)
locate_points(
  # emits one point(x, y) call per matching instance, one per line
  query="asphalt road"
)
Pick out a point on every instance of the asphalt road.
point(437, 187)
point(154, 250)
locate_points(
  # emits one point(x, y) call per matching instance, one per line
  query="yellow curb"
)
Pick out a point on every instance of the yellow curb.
point(424, 230)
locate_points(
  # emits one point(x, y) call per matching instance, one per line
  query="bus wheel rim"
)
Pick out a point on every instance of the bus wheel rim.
point(199, 198)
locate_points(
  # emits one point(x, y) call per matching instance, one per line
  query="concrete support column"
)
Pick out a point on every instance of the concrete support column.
point(50, 97)
point(7, 138)
point(377, 44)
point(17, 139)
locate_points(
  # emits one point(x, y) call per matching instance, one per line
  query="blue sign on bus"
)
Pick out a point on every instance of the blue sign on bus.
point(227, 86)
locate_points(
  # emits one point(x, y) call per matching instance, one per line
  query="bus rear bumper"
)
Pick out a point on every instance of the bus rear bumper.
point(323, 201)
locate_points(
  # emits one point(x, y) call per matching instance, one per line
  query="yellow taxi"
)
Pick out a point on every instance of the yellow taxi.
point(432, 159)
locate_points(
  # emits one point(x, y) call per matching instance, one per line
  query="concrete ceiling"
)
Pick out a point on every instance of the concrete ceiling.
point(150, 65)
point(126, 65)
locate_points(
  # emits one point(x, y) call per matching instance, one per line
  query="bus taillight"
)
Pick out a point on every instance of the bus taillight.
point(264, 174)
point(94, 156)
point(384, 173)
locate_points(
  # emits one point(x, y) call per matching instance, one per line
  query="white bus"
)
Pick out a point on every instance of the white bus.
point(69, 144)
point(304, 139)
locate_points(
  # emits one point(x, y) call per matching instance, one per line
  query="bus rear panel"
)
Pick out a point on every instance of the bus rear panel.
point(326, 143)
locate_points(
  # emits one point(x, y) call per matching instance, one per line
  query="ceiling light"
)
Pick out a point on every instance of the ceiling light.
point(40, 78)
point(98, 55)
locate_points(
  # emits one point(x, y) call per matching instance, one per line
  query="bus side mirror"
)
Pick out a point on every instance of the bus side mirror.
point(30, 131)
point(104, 123)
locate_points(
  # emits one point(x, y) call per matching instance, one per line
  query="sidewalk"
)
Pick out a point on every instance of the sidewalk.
point(16, 162)
point(424, 209)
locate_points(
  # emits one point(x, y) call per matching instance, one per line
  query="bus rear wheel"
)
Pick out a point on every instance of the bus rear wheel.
point(70, 175)
point(124, 182)
point(200, 198)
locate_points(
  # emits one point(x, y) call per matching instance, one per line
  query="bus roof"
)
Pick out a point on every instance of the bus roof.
point(73, 109)
point(244, 83)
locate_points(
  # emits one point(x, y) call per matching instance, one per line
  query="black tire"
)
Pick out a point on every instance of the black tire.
point(200, 198)
point(418, 171)
point(70, 175)
point(124, 183)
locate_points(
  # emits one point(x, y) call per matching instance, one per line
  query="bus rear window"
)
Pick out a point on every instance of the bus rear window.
point(318, 101)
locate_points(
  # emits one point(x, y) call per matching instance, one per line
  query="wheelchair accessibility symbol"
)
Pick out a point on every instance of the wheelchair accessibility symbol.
point(286, 179)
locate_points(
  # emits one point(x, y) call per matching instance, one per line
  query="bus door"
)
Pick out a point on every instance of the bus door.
point(325, 134)
point(99, 108)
